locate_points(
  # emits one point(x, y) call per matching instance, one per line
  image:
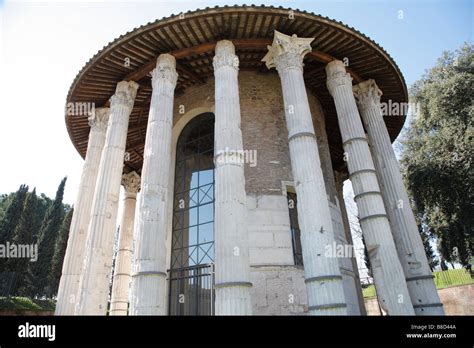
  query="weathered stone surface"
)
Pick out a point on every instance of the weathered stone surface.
point(123, 261)
point(339, 182)
point(95, 279)
point(322, 275)
point(404, 229)
point(149, 285)
point(232, 281)
point(278, 290)
point(386, 268)
point(76, 245)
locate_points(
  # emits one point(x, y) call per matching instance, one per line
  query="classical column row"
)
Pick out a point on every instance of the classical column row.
point(384, 209)
point(422, 289)
point(386, 268)
point(322, 274)
point(76, 245)
point(95, 279)
point(123, 260)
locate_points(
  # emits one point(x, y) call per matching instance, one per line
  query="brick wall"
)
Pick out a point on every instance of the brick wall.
point(263, 129)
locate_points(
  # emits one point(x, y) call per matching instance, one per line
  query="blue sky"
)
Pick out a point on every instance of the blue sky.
point(415, 41)
point(44, 44)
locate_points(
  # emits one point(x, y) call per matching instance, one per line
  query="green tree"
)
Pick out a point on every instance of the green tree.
point(438, 150)
point(430, 254)
point(44, 203)
point(60, 251)
point(367, 259)
point(10, 219)
point(38, 271)
point(23, 234)
point(5, 200)
point(12, 214)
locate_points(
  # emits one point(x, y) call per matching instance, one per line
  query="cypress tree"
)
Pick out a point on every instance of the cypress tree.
point(60, 251)
point(39, 270)
point(5, 200)
point(24, 230)
point(23, 234)
point(44, 203)
point(12, 214)
point(7, 226)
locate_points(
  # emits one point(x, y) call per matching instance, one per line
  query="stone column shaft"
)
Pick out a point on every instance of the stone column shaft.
point(149, 285)
point(322, 274)
point(76, 245)
point(95, 280)
point(123, 261)
point(423, 293)
point(231, 236)
point(388, 273)
point(347, 231)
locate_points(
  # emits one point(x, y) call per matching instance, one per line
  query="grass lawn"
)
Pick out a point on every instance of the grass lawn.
point(24, 303)
point(452, 277)
point(442, 279)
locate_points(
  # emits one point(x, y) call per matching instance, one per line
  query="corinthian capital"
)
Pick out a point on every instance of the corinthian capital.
point(131, 183)
point(99, 119)
point(125, 94)
point(287, 52)
point(225, 55)
point(337, 76)
point(367, 94)
point(165, 71)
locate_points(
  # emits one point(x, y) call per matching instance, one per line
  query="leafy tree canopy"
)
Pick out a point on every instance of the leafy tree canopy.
point(438, 150)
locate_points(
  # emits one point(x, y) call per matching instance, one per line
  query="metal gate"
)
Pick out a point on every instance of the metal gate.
point(192, 290)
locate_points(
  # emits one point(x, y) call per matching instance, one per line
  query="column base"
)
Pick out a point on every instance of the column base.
point(233, 299)
point(149, 294)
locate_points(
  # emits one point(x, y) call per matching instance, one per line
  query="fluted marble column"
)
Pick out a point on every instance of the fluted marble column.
point(339, 184)
point(149, 285)
point(123, 261)
point(76, 245)
point(322, 274)
point(231, 236)
point(97, 267)
point(388, 274)
point(423, 293)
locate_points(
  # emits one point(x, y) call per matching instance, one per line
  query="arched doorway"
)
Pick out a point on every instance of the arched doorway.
point(192, 247)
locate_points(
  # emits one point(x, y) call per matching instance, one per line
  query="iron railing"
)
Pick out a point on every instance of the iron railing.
point(191, 290)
